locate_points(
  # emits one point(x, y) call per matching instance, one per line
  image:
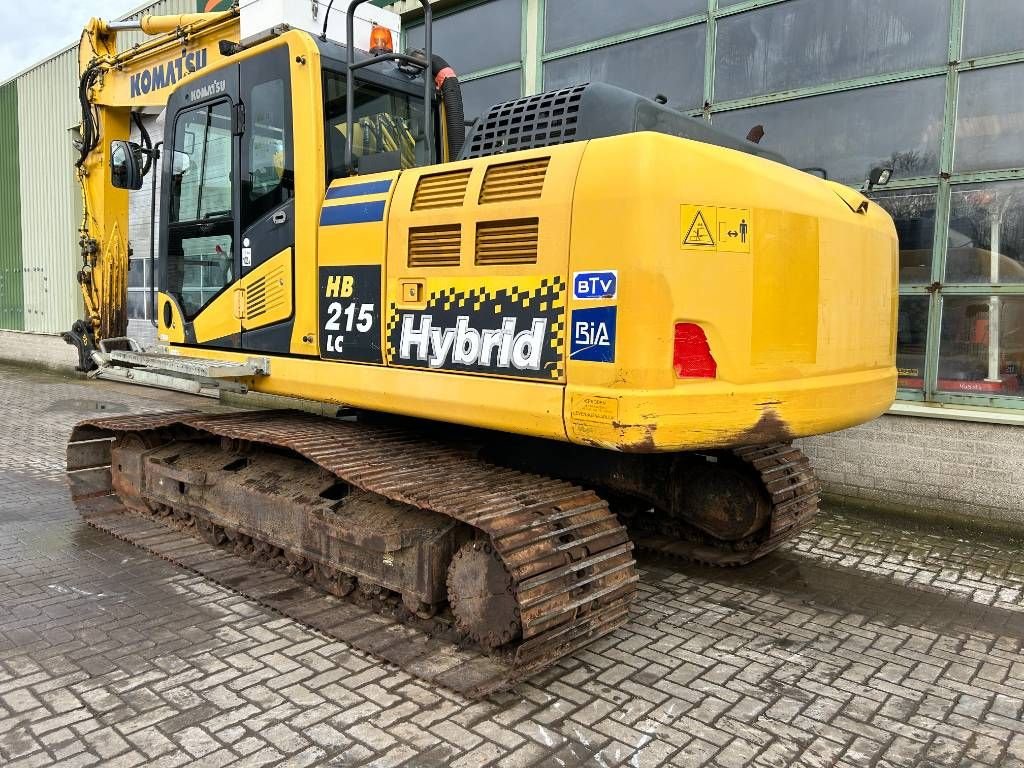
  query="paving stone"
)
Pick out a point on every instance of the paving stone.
point(856, 643)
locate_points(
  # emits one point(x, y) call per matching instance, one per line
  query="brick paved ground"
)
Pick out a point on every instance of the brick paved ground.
point(859, 644)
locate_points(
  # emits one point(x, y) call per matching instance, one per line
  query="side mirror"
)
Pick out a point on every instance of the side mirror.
point(125, 165)
point(878, 177)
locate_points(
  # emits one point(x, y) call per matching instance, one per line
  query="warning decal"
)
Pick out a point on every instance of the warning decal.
point(710, 226)
point(699, 232)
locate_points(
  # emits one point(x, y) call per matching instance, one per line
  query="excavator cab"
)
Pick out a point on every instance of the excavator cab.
point(250, 145)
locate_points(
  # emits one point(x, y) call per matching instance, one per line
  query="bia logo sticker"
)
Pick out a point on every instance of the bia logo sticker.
point(595, 285)
point(593, 335)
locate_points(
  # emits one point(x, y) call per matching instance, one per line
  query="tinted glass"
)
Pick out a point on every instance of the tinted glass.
point(808, 42)
point(993, 26)
point(982, 348)
point(202, 164)
point(479, 95)
point(913, 212)
point(847, 133)
point(571, 22)
point(268, 131)
point(385, 122)
point(479, 37)
point(986, 234)
point(989, 129)
point(671, 63)
point(199, 267)
point(911, 341)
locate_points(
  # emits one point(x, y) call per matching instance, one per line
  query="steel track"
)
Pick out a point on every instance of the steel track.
point(569, 558)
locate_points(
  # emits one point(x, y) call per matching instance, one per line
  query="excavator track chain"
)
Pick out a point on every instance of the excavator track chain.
point(788, 480)
point(556, 547)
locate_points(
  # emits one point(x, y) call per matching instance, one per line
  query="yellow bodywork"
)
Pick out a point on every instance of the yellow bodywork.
point(800, 318)
point(451, 292)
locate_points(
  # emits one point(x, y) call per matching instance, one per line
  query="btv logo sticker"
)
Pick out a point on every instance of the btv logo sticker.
point(593, 335)
point(595, 285)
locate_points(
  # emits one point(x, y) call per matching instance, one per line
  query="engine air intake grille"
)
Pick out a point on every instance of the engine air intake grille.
point(513, 241)
point(265, 294)
point(440, 190)
point(514, 181)
point(435, 246)
point(542, 120)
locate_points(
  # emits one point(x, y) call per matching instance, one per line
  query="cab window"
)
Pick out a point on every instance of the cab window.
point(200, 248)
point(388, 128)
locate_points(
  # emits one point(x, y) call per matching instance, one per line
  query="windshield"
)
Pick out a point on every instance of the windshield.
point(388, 127)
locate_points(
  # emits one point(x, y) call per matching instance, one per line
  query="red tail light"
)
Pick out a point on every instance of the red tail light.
point(691, 354)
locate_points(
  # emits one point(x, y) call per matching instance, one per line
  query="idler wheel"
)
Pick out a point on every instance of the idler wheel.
point(482, 595)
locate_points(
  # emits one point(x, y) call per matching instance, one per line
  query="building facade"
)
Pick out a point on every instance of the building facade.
point(926, 87)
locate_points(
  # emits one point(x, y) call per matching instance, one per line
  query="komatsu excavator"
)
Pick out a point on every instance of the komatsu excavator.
point(589, 325)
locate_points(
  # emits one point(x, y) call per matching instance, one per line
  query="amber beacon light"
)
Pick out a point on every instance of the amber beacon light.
point(380, 40)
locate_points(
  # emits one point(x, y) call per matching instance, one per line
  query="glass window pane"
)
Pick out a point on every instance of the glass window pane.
point(911, 341)
point(386, 122)
point(913, 211)
point(671, 63)
point(990, 119)
point(202, 164)
point(199, 267)
point(483, 36)
point(267, 132)
point(993, 26)
point(986, 234)
point(572, 22)
point(982, 345)
point(847, 133)
point(480, 95)
point(138, 273)
point(808, 42)
point(138, 302)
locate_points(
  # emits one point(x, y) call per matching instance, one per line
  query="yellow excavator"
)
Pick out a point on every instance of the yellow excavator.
point(587, 324)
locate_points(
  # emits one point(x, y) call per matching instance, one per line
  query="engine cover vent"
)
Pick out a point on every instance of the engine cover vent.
point(440, 190)
point(514, 181)
point(438, 246)
point(265, 294)
point(542, 120)
point(512, 241)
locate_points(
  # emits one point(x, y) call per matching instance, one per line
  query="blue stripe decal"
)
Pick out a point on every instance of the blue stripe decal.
point(354, 190)
point(355, 213)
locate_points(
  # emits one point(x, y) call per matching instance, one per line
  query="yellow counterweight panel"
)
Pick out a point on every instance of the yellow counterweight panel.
point(798, 311)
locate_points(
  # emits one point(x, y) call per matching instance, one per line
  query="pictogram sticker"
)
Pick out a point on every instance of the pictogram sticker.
point(700, 230)
point(710, 226)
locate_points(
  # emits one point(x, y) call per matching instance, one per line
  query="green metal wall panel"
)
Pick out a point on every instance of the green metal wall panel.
point(12, 301)
point(48, 116)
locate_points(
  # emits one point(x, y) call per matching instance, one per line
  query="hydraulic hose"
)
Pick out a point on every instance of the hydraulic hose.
point(447, 82)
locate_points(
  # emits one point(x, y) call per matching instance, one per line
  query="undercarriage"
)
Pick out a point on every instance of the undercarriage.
point(461, 541)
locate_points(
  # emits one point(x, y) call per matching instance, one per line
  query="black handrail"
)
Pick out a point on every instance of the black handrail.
point(428, 85)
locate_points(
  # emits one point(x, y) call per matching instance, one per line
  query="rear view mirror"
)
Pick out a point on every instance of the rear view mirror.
point(125, 165)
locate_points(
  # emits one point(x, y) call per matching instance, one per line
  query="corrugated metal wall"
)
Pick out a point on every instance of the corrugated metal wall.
point(50, 202)
point(11, 295)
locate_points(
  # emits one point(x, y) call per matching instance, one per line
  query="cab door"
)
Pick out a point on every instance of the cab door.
point(267, 203)
point(199, 244)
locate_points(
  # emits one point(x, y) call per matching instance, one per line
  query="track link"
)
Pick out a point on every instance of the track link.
point(569, 559)
point(789, 481)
